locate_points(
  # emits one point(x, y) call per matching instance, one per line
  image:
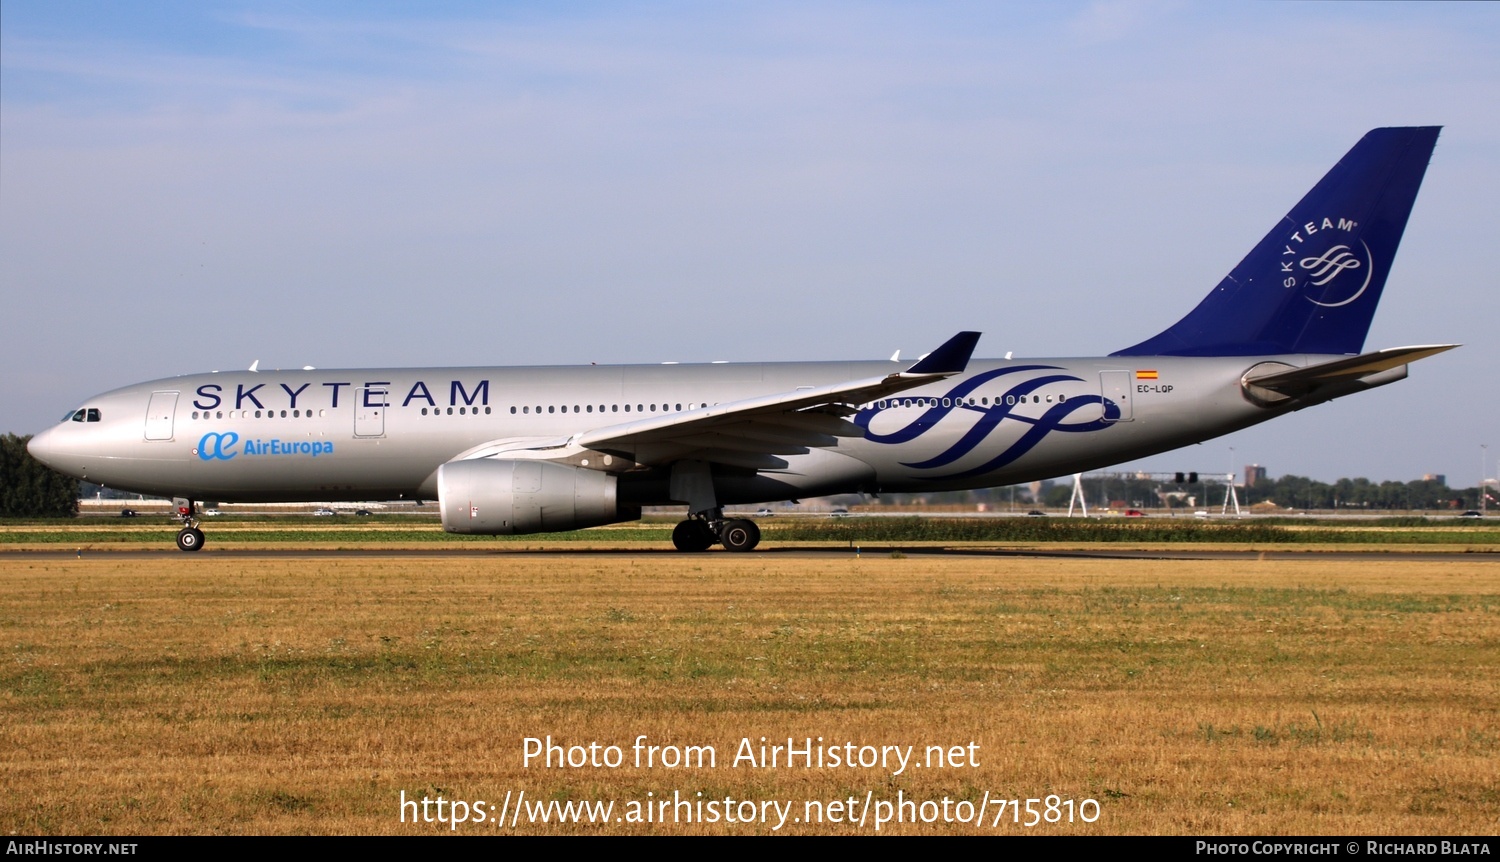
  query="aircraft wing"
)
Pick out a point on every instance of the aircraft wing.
point(752, 432)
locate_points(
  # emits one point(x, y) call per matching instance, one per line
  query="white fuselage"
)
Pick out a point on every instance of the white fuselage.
point(382, 433)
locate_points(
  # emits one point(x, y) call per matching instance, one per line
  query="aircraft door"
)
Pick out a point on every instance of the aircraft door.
point(369, 412)
point(160, 414)
point(1115, 387)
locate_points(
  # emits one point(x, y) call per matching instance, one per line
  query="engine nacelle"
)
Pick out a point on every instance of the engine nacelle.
point(495, 497)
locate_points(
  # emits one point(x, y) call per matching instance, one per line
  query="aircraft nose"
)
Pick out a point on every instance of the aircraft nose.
point(43, 446)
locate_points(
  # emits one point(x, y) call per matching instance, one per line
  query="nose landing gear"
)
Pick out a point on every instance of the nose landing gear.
point(189, 538)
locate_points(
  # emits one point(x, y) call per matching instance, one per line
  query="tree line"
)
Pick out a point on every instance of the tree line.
point(28, 488)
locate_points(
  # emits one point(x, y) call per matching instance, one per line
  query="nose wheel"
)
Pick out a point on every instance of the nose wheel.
point(190, 539)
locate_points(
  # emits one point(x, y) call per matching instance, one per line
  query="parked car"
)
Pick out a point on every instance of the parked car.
point(1134, 513)
point(841, 512)
point(1472, 513)
point(209, 513)
point(1036, 513)
point(129, 513)
point(363, 513)
point(324, 512)
point(765, 513)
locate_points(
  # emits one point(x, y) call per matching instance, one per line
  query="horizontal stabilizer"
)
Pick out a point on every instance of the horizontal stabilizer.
point(1298, 381)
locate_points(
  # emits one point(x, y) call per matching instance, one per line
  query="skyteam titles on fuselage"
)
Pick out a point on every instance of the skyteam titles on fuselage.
point(372, 393)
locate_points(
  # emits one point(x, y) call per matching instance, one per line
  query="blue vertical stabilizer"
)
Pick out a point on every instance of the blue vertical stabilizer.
point(1311, 286)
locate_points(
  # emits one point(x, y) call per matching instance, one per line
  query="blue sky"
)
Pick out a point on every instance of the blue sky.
point(194, 186)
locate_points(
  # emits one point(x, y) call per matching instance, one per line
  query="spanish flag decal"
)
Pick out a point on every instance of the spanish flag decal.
point(1145, 374)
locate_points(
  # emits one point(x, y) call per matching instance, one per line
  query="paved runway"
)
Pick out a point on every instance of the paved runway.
point(209, 553)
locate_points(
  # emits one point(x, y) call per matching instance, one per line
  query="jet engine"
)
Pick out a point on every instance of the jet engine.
point(497, 497)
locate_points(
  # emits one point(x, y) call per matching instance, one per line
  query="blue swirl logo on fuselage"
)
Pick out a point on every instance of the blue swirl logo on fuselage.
point(1003, 408)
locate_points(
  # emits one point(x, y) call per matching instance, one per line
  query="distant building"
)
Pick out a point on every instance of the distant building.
point(1440, 478)
point(1254, 473)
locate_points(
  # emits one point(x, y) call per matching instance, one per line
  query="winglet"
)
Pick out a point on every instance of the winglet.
point(951, 358)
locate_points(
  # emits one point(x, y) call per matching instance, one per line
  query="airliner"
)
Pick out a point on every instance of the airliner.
point(543, 449)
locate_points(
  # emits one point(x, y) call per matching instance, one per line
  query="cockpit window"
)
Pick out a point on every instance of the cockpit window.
point(76, 417)
point(93, 414)
point(83, 414)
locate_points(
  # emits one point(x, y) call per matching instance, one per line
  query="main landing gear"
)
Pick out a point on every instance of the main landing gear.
point(701, 533)
point(189, 538)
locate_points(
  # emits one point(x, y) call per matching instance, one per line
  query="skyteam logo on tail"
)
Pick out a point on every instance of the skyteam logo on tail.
point(1327, 259)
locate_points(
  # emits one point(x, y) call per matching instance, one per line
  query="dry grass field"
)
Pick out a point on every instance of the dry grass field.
point(291, 694)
